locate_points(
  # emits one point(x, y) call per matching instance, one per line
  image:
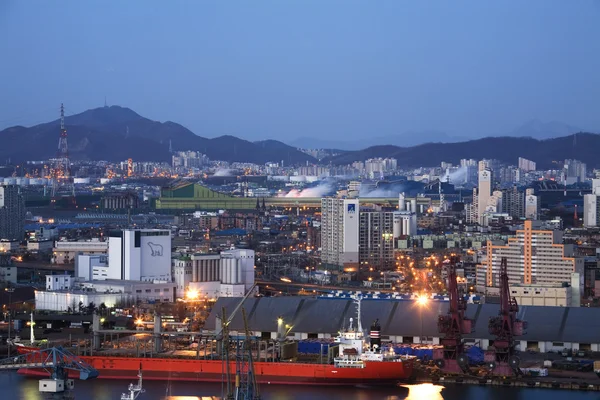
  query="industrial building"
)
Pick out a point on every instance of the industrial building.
point(12, 213)
point(549, 328)
point(139, 255)
point(65, 252)
point(63, 293)
point(91, 267)
point(535, 257)
point(193, 196)
point(230, 273)
point(118, 201)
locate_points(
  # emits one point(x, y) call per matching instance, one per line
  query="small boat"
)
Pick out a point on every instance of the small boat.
point(134, 389)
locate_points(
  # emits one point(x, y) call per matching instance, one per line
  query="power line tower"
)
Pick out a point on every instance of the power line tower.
point(62, 165)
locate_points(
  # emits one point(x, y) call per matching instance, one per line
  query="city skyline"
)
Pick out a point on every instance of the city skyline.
point(307, 70)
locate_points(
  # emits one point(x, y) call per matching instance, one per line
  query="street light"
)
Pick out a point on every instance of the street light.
point(10, 292)
point(192, 294)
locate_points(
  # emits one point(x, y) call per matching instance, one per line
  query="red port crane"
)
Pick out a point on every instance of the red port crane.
point(451, 358)
point(502, 358)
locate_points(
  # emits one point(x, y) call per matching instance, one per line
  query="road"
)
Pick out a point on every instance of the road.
point(284, 287)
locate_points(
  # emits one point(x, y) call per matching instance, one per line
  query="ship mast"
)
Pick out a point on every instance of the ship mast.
point(358, 301)
point(31, 323)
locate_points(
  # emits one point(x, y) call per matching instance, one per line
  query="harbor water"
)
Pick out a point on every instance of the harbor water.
point(16, 387)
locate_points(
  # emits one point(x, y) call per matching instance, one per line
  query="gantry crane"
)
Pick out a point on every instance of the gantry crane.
point(451, 358)
point(57, 361)
point(501, 358)
point(246, 387)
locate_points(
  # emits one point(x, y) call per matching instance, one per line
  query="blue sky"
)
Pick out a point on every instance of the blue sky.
point(285, 69)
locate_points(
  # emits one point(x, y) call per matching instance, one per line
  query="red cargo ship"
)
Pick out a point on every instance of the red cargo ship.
point(357, 363)
point(369, 372)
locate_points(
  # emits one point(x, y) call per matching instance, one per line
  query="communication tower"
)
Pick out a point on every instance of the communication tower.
point(62, 165)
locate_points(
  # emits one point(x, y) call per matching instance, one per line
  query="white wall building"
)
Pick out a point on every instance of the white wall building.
point(109, 292)
point(58, 282)
point(340, 231)
point(91, 267)
point(140, 255)
point(228, 274)
point(531, 205)
point(66, 252)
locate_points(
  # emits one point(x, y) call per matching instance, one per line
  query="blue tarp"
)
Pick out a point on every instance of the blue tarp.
point(420, 353)
point(230, 232)
point(312, 347)
point(475, 355)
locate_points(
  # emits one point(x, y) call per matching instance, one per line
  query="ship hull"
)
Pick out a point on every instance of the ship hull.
point(374, 373)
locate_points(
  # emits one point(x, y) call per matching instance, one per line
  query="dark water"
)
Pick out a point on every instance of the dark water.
point(14, 387)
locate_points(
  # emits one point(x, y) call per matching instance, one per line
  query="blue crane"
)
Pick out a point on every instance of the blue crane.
point(56, 360)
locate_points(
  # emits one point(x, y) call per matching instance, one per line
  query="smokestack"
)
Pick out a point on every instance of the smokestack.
point(413, 205)
point(401, 202)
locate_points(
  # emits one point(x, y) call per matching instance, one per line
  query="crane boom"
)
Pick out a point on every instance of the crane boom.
point(56, 359)
point(227, 321)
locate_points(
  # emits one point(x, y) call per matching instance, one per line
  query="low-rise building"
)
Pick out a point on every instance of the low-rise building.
point(8, 246)
point(39, 246)
point(537, 295)
point(65, 252)
point(111, 293)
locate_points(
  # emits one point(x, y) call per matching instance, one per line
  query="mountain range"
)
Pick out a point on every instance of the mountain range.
point(533, 128)
point(117, 133)
point(547, 153)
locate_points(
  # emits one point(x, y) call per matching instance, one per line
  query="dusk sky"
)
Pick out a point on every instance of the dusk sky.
point(307, 68)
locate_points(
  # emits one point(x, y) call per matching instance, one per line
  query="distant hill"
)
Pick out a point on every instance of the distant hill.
point(546, 153)
point(117, 133)
point(410, 138)
point(534, 128)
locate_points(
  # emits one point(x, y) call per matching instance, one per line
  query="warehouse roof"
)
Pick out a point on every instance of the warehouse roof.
point(405, 318)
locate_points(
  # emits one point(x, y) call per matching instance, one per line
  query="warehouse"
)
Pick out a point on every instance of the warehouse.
point(550, 328)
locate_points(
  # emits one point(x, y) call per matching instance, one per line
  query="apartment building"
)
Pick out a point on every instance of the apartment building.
point(534, 257)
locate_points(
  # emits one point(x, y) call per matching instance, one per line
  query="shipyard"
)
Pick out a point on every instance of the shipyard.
point(299, 200)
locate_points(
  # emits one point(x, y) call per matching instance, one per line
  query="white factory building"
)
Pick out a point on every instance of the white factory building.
point(137, 268)
point(64, 292)
point(229, 274)
point(139, 255)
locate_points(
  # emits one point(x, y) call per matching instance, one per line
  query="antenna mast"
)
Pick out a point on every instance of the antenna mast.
point(62, 165)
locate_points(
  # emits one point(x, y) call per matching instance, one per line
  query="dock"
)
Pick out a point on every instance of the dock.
point(512, 382)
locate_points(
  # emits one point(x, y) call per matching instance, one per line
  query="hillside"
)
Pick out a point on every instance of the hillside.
point(117, 133)
point(546, 153)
